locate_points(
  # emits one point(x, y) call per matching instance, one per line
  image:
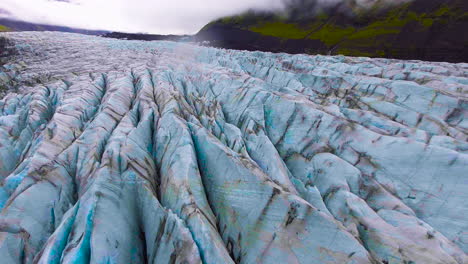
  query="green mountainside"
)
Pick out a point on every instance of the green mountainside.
point(430, 30)
point(4, 28)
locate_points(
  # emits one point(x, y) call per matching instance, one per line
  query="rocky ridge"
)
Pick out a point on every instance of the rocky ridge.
point(414, 29)
point(118, 151)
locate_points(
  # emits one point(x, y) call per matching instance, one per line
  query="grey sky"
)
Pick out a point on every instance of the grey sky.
point(150, 16)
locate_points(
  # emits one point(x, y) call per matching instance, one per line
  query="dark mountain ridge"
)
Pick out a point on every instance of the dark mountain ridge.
point(426, 30)
point(148, 37)
point(8, 24)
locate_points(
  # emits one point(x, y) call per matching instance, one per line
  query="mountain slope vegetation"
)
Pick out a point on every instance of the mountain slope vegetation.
point(426, 30)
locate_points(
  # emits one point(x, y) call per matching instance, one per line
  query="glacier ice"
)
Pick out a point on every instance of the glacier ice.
point(160, 152)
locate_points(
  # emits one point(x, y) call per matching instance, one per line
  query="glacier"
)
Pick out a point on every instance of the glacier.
point(116, 151)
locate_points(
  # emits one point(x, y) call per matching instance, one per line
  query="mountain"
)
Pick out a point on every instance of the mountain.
point(420, 29)
point(116, 151)
point(8, 24)
point(147, 37)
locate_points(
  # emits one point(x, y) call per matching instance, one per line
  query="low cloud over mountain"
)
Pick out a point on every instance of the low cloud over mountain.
point(162, 17)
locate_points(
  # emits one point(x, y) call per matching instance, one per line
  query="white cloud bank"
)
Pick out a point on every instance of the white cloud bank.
point(149, 16)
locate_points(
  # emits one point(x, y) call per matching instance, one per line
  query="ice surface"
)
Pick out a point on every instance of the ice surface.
point(157, 152)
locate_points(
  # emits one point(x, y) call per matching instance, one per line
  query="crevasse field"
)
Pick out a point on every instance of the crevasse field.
point(125, 152)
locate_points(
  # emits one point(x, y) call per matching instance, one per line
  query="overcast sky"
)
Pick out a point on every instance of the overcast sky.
point(148, 16)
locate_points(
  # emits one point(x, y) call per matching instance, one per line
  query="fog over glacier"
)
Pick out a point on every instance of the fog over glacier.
point(117, 151)
point(149, 16)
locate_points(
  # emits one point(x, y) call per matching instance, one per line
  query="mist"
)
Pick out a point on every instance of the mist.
point(133, 16)
point(299, 9)
point(162, 16)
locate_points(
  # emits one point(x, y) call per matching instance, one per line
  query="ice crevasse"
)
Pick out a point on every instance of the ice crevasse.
point(117, 151)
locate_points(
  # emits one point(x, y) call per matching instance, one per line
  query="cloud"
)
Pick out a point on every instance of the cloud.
point(307, 8)
point(150, 16)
